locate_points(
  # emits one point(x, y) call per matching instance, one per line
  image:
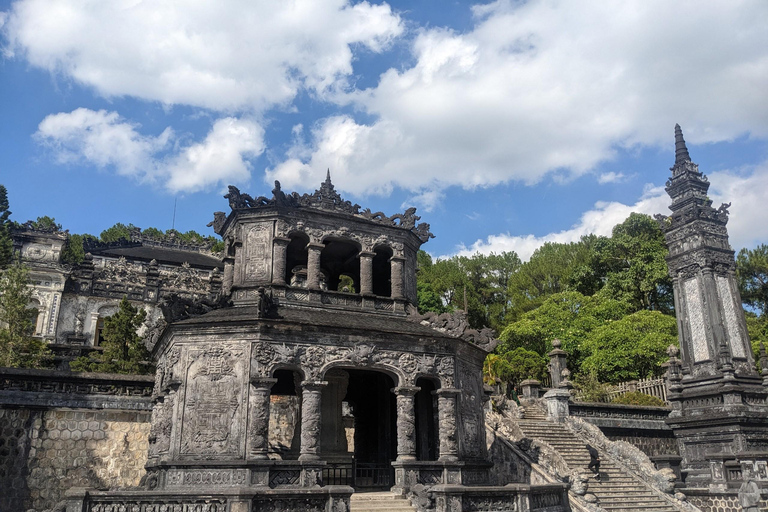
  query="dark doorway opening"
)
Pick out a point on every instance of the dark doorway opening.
point(426, 421)
point(372, 405)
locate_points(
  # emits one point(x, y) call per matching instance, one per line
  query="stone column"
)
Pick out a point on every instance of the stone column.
point(396, 276)
point(557, 362)
point(279, 250)
point(446, 410)
point(310, 420)
point(406, 422)
point(258, 431)
point(313, 265)
point(366, 272)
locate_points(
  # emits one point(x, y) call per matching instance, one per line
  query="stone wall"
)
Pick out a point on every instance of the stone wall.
point(643, 427)
point(718, 502)
point(59, 431)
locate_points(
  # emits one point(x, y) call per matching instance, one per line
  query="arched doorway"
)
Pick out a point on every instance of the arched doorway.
point(366, 413)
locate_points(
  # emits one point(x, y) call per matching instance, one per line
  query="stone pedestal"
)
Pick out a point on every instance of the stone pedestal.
point(557, 404)
point(530, 389)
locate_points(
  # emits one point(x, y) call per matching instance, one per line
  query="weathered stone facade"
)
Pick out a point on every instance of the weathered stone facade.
point(60, 431)
point(73, 300)
point(719, 401)
point(322, 309)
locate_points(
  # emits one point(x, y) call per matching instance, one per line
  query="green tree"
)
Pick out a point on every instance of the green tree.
point(550, 270)
point(17, 346)
point(509, 369)
point(45, 223)
point(124, 350)
point(638, 398)
point(117, 232)
point(752, 272)
point(633, 347)
point(569, 316)
point(74, 251)
point(632, 264)
point(6, 242)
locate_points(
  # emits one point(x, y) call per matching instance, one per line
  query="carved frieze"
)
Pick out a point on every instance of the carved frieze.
point(212, 416)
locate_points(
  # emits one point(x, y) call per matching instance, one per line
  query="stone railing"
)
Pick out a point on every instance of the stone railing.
point(634, 461)
point(336, 299)
point(615, 415)
point(51, 388)
point(549, 498)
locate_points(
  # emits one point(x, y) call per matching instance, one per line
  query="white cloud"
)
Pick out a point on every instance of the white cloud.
point(227, 56)
point(747, 189)
point(105, 140)
point(610, 177)
point(219, 159)
point(548, 87)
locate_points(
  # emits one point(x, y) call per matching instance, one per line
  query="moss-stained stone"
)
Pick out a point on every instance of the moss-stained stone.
point(43, 453)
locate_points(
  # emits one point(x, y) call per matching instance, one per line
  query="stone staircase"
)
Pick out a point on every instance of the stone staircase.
point(617, 491)
point(379, 502)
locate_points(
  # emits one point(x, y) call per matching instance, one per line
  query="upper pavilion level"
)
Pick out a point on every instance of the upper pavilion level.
point(319, 250)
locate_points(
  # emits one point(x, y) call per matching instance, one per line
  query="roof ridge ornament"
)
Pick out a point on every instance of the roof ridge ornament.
point(324, 198)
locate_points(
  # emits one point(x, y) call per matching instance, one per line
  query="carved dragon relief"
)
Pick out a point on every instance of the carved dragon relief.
point(456, 325)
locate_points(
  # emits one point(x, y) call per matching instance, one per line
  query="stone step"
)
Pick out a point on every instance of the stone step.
point(616, 491)
point(378, 502)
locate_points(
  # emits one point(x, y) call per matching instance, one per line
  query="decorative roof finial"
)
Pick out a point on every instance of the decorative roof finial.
point(328, 176)
point(681, 152)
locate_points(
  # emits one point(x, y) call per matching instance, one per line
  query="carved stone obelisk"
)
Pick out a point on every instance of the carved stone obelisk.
point(719, 416)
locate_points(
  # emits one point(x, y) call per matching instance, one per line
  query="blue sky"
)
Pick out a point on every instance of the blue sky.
point(506, 123)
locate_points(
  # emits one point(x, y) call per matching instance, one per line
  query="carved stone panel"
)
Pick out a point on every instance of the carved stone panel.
point(471, 425)
point(258, 252)
point(730, 320)
point(695, 310)
point(212, 416)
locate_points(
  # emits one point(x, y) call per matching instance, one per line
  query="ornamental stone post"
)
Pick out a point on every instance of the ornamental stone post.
point(406, 422)
point(366, 272)
point(396, 277)
point(258, 431)
point(557, 362)
point(313, 265)
point(446, 410)
point(279, 250)
point(310, 420)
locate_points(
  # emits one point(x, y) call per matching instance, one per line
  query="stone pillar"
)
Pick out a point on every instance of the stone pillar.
point(557, 362)
point(530, 388)
point(229, 276)
point(333, 436)
point(279, 251)
point(258, 430)
point(406, 422)
point(446, 410)
point(366, 272)
point(310, 420)
point(557, 404)
point(313, 265)
point(396, 276)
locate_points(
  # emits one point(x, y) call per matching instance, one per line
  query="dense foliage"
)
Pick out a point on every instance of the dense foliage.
point(638, 398)
point(124, 350)
point(17, 346)
point(608, 299)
